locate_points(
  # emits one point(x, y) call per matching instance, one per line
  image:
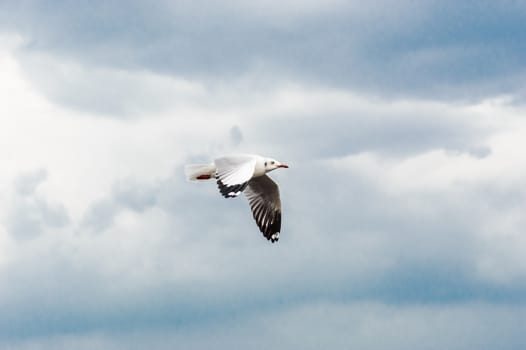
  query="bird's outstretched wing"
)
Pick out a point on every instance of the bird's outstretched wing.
point(263, 196)
point(233, 174)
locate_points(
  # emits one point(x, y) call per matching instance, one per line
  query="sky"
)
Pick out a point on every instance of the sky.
point(403, 207)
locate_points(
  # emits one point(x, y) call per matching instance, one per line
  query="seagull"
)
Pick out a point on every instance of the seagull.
point(246, 173)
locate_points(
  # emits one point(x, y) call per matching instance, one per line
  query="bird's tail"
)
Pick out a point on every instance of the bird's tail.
point(196, 172)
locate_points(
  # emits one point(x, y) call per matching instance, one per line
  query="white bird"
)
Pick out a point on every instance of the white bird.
point(246, 173)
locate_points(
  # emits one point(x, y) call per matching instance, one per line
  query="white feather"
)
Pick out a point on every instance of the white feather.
point(193, 171)
point(235, 170)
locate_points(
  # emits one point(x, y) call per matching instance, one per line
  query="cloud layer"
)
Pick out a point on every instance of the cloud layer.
point(437, 49)
point(403, 206)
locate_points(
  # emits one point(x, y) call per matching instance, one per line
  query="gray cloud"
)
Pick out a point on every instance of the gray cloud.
point(100, 215)
point(419, 257)
point(399, 257)
point(125, 194)
point(26, 184)
point(108, 92)
point(437, 49)
point(30, 213)
point(338, 132)
point(365, 325)
point(236, 137)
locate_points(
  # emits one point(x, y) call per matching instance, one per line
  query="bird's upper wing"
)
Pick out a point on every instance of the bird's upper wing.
point(233, 174)
point(263, 196)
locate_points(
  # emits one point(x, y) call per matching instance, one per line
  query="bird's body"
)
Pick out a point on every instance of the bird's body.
point(246, 173)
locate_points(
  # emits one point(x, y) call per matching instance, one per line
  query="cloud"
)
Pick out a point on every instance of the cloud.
point(401, 216)
point(431, 49)
point(364, 325)
point(125, 195)
point(29, 213)
point(185, 258)
point(236, 137)
point(334, 123)
point(26, 184)
point(115, 92)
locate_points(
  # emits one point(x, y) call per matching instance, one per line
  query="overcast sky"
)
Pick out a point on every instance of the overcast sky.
point(403, 123)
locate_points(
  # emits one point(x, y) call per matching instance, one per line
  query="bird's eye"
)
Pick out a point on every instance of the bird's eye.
point(272, 163)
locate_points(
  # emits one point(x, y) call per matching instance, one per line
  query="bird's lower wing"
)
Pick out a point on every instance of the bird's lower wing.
point(263, 196)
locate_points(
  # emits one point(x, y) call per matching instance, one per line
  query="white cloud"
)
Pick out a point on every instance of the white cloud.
point(485, 192)
point(140, 241)
point(111, 92)
point(84, 153)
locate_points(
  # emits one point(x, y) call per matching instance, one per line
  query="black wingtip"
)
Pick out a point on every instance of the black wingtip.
point(231, 191)
point(274, 237)
point(270, 231)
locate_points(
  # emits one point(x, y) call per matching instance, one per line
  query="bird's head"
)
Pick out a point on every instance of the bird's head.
point(271, 164)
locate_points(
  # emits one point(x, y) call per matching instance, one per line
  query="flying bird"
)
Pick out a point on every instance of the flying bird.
point(243, 173)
